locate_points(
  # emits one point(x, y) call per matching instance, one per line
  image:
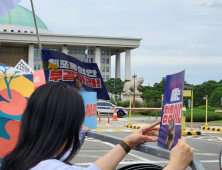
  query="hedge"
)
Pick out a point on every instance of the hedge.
point(200, 115)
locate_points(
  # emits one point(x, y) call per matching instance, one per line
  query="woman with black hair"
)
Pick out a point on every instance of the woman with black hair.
point(51, 127)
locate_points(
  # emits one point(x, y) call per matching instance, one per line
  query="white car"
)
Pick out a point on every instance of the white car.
point(107, 107)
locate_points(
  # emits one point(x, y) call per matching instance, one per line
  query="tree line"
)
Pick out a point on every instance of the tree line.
point(152, 95)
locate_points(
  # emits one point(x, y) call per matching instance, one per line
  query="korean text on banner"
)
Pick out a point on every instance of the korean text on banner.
point(90, 102)
point(15, 91)
point(170, 127)
point(23, 66)
point(61, 67)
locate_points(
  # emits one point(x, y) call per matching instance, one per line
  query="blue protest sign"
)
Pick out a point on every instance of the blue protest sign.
point(170, 127)
point(90, 102)
point(69, 67)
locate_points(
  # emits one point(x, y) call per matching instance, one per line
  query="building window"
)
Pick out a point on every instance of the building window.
point(34, 66)
point(35, 50)
point(34, 58)
point(55, 49)
point(91, 52)
point(107, 69)
point(68, 51)
point(39, 67)
point(12, 30)
point(59, 49)
point(5, 30)
point(107, 77)
point(39, 50)
point(51, 49)
point(39, 58)
point(103, 60)
point(19, 30)
point(107, 61)
point(76, 51)
point(71, 51)
point(107, 52)
point(103, 69)
point(103, 52)
point(31, 32)
point(79, 59)
point(83, 60)
point(83, 51)
point(80, 51)
point(103, 77)
point(91, 60)
point(25, 31)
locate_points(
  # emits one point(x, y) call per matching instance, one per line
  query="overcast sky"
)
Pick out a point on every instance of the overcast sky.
point(176, 34)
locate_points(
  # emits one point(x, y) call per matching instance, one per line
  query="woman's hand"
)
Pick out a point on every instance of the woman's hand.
point(143, 135)
point(86, 128)
point(180, 156)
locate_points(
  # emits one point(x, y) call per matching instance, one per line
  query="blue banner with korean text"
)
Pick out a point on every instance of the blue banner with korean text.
point(81, 75)
point(170, 126)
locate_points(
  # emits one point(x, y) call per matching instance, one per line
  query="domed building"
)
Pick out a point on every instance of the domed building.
point(19, 41)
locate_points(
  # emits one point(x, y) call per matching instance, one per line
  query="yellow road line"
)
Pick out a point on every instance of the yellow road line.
point(117, 130)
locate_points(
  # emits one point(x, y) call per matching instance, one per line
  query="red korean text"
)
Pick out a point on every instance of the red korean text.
point(91, 110)
point(172, 111)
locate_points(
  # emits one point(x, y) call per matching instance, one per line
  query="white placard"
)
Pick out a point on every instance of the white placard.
point(23, 66)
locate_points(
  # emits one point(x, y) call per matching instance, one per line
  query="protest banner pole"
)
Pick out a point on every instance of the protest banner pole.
point(37, 32)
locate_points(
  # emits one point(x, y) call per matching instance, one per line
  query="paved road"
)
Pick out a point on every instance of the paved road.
point(206, 146)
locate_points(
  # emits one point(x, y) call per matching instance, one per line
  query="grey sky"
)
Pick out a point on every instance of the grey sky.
point(176, 34)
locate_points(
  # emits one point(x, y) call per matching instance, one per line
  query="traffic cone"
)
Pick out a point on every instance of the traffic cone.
point(115, 115)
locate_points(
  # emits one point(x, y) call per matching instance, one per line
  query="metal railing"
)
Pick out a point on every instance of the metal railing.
point(151, 150)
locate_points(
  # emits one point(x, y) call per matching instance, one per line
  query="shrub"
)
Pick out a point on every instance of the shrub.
point(143, 112)
point(215, 98)
point(200, 115)
point(153, 113)
point(126, 104)
point(209, 108)
point(119, 104)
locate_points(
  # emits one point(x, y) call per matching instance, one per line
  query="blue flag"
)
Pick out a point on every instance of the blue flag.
point(64, 68)
point(86, 52)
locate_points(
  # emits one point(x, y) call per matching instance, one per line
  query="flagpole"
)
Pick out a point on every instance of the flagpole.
point(37, 32)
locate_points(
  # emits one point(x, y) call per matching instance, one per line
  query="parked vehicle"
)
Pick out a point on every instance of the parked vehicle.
point(106, 107)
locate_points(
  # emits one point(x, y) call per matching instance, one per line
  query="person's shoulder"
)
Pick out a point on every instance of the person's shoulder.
point(52, 164)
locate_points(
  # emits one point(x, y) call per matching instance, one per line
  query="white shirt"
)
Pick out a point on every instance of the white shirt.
point(54, 164)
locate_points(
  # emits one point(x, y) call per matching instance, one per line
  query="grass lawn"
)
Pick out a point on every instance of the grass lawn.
point(217, 121)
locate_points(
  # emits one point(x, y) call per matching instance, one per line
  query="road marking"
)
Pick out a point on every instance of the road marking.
point(103, 125)
point(117, 130)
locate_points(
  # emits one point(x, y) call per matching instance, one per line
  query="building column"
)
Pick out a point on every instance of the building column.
point(65, 49)
point(31, 56)
point(118, 64)
point(98, 57)
point(127, 65)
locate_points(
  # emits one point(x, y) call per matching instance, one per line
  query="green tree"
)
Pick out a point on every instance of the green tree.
point(215, 98)
point(144, 88)
point(202, 90)
point(114, 86)
point(160, 86)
